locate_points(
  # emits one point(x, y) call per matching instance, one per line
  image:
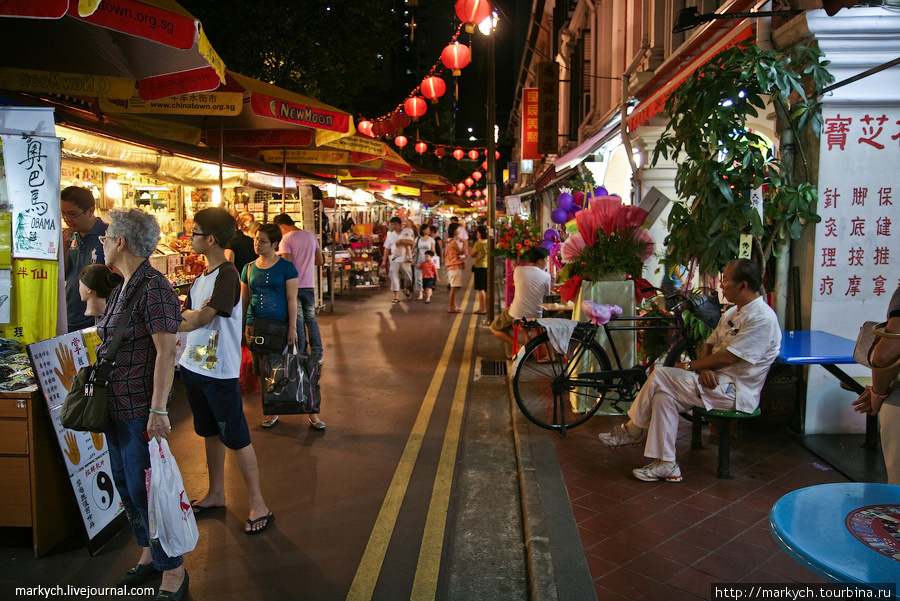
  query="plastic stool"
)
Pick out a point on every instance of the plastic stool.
point(726, 417)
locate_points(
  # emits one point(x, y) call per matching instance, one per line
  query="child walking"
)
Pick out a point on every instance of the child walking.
point(429, 274)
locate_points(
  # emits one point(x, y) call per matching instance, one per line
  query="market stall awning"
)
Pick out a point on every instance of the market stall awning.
point(248, 113)
point(655, 102)
point(110, 49)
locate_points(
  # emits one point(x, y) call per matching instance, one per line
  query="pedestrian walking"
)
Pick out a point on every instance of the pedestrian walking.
point(398, 247)
point(211, 366)
point(429, 274)
point(269, 291)
point(455, 260)
point(140, 384)
point(480, 268)
point(424, 243)
point(302, 249)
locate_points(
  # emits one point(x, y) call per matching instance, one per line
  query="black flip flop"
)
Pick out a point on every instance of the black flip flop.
point(268, 519)
point(198, 509)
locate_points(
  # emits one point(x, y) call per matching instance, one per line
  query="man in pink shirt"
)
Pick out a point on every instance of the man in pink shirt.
point(302, 249)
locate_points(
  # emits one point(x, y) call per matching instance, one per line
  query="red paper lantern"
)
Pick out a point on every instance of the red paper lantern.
point(433, 88)
point(476, 175)
point(472, 12)
point(455, 56)
point(415, 107)
point(459, 192)
point(401, 141)
point(440, 152)
point(421, 147)
point(458, 154)
point(484, 165)
point(377, 129)
point(461, 186)
point(473, 154)
point(477, 193)
point(470, 182)
point(469, 193)
point(365, 128)
point(388, 127)
point(497, 154)
point(400, 119)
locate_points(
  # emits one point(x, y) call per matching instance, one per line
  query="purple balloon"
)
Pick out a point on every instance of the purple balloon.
point(559, 216)
point(551, 234)
point(548, 245)
point(565, 201)
point(600, 191)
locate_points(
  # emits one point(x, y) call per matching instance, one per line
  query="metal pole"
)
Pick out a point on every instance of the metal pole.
point(490, 176)
point(283, 177)
point(221, 159)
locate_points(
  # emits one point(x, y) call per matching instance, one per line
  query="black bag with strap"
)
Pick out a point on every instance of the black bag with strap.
point(85, 408)
point(266, 336)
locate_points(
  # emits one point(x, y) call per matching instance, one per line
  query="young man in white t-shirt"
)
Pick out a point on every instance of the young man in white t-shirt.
point(532, 285)
point(211, 365)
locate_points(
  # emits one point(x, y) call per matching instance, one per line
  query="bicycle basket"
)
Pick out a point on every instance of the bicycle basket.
point(706, 308)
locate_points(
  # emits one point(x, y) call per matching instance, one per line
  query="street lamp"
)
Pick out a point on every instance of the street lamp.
point(487, 27)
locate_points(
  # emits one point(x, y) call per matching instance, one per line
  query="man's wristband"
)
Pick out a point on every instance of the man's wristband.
point(158, 412)
point(687, 366)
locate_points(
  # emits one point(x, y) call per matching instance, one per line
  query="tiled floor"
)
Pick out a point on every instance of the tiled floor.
point(671, 541)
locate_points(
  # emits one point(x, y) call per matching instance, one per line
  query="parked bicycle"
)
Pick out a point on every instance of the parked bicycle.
point(559, 391)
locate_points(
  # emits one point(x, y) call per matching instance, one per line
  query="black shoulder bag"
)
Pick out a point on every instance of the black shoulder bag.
point(85, 408)
point(266, 336)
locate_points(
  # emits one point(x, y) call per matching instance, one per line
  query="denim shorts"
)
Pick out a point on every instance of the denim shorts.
point(218, 408)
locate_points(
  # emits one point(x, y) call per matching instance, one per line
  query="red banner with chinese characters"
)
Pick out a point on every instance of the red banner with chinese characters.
point(530, 124)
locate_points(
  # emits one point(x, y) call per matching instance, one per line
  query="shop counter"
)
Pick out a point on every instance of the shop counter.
point(36, 490)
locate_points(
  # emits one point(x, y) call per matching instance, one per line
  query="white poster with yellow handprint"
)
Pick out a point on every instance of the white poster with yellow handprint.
point(85, 454)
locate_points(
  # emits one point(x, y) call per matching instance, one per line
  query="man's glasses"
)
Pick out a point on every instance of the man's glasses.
point(193, 234)
point(70, 216)
point(259, 241)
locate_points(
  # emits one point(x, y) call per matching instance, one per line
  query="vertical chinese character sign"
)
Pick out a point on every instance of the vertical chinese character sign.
point(530, 124)
point(85, 454)
point(857, 250)
point(31, 181)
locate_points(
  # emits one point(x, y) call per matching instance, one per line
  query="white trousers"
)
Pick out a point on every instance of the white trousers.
point(400, 270)
point(666, 393)
point(417, 283)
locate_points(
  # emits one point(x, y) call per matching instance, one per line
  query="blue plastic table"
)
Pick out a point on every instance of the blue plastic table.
point(816, 527)
point(812, 347)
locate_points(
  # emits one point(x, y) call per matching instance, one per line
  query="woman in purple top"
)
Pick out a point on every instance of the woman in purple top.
point(140, 385)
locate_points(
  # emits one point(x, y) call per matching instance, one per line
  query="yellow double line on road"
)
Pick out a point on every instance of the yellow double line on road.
point(425, 582)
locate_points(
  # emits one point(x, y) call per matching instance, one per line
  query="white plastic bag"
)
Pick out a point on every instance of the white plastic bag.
point(171, 519)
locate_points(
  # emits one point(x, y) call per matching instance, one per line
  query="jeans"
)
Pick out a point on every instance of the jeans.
point(128, 458)
point(306, 309)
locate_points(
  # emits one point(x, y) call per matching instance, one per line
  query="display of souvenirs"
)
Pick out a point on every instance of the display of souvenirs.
point(15, 369)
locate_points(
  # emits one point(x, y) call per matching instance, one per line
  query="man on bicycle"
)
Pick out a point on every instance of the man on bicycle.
point(729, 375)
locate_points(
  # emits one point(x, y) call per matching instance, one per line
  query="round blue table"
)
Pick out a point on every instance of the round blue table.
point(846, 532)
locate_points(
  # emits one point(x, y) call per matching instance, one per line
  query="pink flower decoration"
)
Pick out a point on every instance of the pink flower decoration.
point(571, 248)
point(599, 314)
point(630, 217)
point(606, 212)
point(587, 225)
point(641, 235)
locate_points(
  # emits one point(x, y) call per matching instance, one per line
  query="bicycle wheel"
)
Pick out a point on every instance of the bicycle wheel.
point(543, 386)
point(679, 354)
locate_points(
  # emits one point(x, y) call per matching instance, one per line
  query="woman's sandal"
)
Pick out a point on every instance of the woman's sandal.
point(395, 301)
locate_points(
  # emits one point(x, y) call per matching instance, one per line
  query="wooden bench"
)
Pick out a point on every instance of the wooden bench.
point(726, 418)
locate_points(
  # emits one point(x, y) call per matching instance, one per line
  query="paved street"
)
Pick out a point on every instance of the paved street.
point(384, 504)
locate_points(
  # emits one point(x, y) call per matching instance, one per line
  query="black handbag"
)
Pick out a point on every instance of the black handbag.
point(291, 384)
point(85, 408)
point(266, 336)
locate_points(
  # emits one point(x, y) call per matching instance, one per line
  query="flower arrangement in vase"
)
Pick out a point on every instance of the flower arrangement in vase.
point(610, 240)
point(516, 237)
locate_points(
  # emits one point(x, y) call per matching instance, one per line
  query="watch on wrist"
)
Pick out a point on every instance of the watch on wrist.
point(687, 366)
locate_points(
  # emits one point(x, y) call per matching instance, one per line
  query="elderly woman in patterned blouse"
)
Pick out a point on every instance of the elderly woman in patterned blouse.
point(140, 385)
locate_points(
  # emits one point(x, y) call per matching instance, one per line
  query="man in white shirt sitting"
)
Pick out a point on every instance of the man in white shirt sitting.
point(729, 375)
point(532, 284)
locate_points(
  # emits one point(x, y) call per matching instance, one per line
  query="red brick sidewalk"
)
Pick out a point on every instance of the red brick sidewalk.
point(671, 541)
